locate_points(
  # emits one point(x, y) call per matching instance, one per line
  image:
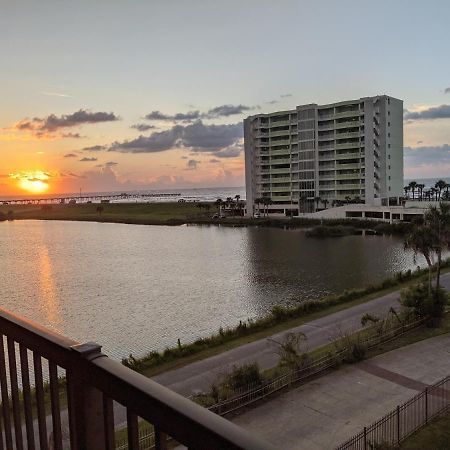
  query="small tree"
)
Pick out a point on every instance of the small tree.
point(291, 352)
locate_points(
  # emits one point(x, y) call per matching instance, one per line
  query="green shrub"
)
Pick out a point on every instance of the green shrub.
point(243, 376)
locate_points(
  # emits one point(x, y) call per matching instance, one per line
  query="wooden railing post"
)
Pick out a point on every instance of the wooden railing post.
point(86, 417)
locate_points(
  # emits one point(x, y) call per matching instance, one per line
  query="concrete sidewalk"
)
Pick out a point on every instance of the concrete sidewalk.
point(325, 412)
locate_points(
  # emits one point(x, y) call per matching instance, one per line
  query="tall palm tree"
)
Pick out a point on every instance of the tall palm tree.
point(433, 193)
point(317, 200)
point(266, 202)
point(218, 203)
point(420, 241)
point(258, 202)
point(420, 187)
point(438, 219)
point(412, 187)
point(406, 189)
point(440, 185)
point(325, 202)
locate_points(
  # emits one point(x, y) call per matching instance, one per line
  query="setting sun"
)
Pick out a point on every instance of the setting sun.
point(35, 182)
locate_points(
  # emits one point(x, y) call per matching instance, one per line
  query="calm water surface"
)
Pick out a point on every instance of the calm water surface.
point(137, 288)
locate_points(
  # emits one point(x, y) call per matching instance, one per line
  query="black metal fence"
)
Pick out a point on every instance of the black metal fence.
point(404, 420)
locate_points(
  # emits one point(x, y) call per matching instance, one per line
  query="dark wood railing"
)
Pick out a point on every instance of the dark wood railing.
point(40, 370)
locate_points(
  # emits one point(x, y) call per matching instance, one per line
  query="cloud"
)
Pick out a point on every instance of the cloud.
point(230, 152)
point(227, 110)
point(214, 161)
point(285, 95)
point(271, 102)
point(191, 116)
point(184, 157)
point(192, 164)
point(434, 112)
point(419, 142)
point(111, 164)
point(422, 162)
point(88, 159)
point(71, 136)
point(56, 94)
point(447, 90)
point(197, 136)
point(427, 155)
point(42, 127)
point(70, 155)
point(94, 148)
point(142, 127)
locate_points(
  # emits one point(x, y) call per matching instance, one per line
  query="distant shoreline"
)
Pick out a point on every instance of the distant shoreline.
point(184, 213)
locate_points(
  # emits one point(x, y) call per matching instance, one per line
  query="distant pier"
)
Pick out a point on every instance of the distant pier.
point(86, 198)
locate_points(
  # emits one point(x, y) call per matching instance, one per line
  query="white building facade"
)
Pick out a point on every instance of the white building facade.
point(316, 156)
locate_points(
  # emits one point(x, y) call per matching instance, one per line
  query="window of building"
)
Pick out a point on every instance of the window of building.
point(389, 177)
point(389, 113)
point(389, 156)
point(389, 145)
point(389, 134)
point(389, 188)
point(389, 124)
point(389, 167)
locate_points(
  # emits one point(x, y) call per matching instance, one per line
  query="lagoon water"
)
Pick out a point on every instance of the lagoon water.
point(136, 288)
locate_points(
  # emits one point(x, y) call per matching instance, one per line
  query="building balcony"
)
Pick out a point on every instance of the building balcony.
point(347, 124)
point(281, 198)
point(279, 123)
point(347, 145)
point(280, 142)
point(280, 133)
point(281, 180)
point(280, 161)
point(283, 170)
point(349, 176)
point(95, 387)
point(348, 155)
point(344, 187)
point(284, 151)
point(327, 127)
point(349, 166)
point(282, 189)
point(326, 148)
point(354, 113)
point(261, 135)
point(328, 137)
point(347, 135)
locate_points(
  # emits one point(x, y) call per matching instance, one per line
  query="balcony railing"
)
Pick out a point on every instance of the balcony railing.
point(91, 383)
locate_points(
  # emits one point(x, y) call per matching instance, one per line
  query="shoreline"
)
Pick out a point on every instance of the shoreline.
point(176, 214)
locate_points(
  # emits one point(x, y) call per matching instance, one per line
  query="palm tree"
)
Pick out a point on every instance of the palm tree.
point(258, 202)
point(440, 185)
point(347, 198)
point(266, 202)
point(420, 240)
point(303, 200)
point(99, 210)
point(317, 200)
point(413, 186)
point(406, 189)
point(420, 187)
point(433, 193)
point(325, 202)
point(438, 219)
point(218, 204)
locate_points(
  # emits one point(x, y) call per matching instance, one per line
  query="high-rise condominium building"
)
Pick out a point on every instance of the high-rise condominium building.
point(315, 156)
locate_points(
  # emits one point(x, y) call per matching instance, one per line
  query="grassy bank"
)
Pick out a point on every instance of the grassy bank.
point(281, 318)
point(175, 213)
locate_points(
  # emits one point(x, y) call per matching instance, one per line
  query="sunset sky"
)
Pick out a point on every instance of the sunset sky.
point(120, 95)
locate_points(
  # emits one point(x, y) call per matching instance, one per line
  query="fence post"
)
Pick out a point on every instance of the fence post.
point(365, 438)
point(426, 405)
point(398, 424)
point(85, 403)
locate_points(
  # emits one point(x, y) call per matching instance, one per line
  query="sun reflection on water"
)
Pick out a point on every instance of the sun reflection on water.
point(49, 297)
